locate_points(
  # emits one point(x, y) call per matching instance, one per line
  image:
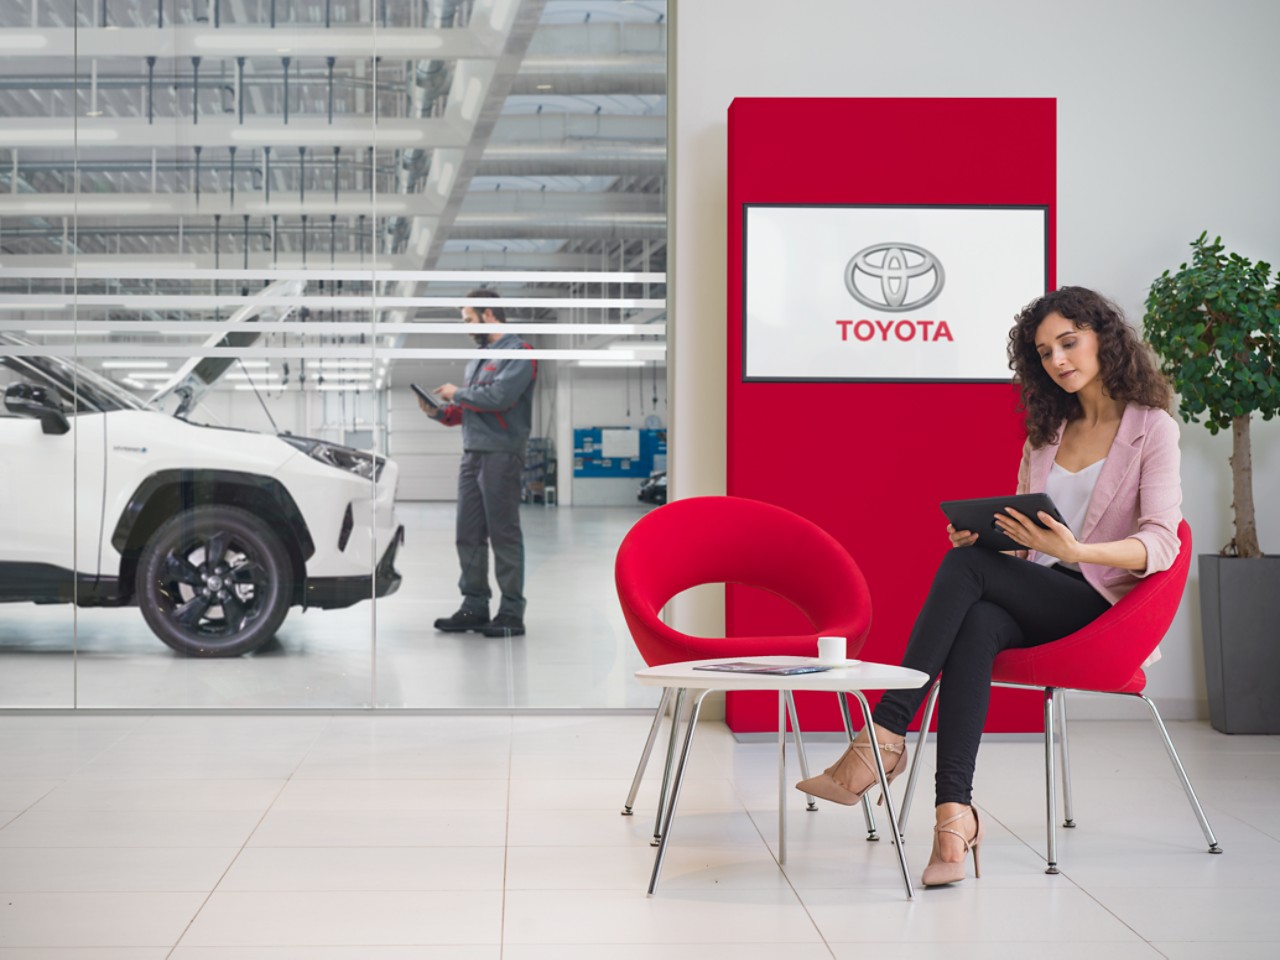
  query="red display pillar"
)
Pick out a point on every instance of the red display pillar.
point(870, 461)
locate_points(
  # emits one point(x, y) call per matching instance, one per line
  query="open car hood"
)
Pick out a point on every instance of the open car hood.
point(188, 386)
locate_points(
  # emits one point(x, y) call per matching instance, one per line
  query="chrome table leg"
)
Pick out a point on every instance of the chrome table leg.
point(648, 751)
point(671, 755)
point(812, 805)
point(888, 797)
point(914, 773)
point(694, 710)
point(868, 815)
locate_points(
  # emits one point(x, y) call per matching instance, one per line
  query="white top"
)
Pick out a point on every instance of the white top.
point(1071, 492)
point(859, 675)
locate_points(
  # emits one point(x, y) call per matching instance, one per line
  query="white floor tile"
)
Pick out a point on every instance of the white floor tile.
point(192, 796)
point(20, 794)
point(163, 868)
point(376, 796)
point(952, 950)
point(426, 837)
point(397, 828)
point(588, 828)
point(84, 953)
point(363, 952)
point(697, 794)
point(1217, 949)
point(96, 919)
point(127, 828)
point(668, 951)
point(618, 916)
point(1193, 913)
point(366, 868)
point(963, 912)
point(686, 868)
point(348, 918)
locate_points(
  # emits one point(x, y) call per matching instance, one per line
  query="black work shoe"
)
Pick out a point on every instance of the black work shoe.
point(462, 621)
point(504, 625)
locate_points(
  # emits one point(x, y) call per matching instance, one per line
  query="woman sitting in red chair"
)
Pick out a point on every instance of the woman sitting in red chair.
point(1102, 444)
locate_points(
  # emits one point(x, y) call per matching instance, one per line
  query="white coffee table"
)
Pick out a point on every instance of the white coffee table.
point(853, 679)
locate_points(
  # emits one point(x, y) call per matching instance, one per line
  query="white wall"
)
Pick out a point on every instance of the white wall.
point(1166, 127)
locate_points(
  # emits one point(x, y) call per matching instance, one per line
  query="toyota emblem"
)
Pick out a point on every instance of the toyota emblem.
point(894, 276)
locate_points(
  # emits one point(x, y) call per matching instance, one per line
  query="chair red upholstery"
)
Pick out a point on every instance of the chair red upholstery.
point(1107, 655)
point(734, 540)
point(1104, 657)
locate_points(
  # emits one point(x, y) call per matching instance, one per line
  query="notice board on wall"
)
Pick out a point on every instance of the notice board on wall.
point(871, 286)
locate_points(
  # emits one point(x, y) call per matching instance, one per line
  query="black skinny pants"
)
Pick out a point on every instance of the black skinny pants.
point(981, 603)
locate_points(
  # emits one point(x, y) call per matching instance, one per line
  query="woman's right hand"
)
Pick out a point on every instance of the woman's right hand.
point(961, 538)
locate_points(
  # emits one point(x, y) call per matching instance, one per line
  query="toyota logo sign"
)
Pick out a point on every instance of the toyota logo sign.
point(895, 277)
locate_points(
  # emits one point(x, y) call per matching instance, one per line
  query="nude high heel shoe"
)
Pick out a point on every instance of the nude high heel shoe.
point(827, 787)
point(939, 871)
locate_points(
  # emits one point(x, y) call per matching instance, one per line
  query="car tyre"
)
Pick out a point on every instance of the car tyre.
point(214, 581)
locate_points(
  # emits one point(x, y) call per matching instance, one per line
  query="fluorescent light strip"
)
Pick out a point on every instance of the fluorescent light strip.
point(637, 352)
point(611, 363)
point(135, 365)
point(141, 301)
point(194, 328)
point(369, 274)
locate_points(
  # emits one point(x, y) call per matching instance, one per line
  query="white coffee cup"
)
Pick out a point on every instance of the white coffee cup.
point(832, 650)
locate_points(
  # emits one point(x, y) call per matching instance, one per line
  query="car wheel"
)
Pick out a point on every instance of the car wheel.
point(214, 582)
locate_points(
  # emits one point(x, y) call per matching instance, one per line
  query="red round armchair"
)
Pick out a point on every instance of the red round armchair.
point(734, 540)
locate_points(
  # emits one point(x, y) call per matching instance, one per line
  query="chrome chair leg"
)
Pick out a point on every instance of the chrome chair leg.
point(1064, 753)
point(694, 710)
point(784, 702)
point(1051, 825)
point(648, 750)
point(1182, 775)
point(888, 797)
point(914, 773)
point(671, 755)
point(811, 804)
point(868, 815)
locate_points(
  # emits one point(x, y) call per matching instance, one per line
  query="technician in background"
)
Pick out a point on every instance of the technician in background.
point(494, 406)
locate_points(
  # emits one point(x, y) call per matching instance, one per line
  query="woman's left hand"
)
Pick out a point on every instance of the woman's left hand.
point(1056, 541)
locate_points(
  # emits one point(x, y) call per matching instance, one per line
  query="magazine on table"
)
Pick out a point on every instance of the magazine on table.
point(771, 669)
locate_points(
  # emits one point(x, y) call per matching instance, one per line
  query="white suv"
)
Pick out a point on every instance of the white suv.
point(213, 532)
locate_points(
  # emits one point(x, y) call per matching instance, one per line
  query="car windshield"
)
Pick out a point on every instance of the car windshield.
point(80, 388)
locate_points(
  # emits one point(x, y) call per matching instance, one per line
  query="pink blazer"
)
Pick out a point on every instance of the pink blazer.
point(1138, 494)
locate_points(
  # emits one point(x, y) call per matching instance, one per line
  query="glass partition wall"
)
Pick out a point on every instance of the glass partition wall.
point(232, 235)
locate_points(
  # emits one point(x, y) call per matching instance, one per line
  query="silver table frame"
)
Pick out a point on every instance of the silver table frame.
point(668, 802)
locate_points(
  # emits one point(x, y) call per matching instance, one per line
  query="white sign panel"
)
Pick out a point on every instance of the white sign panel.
point(887, 293)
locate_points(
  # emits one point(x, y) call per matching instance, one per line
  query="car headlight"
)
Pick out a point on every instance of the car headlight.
point(344, 458)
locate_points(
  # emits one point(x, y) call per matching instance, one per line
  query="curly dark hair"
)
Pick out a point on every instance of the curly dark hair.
point(1128, 367)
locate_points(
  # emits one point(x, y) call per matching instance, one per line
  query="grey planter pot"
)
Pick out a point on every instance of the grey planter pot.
point(1240, 618)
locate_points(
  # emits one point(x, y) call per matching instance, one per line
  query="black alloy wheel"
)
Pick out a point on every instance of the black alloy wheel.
point(214, 582)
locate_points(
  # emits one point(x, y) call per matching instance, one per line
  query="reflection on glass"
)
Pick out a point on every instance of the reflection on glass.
point(231, 235)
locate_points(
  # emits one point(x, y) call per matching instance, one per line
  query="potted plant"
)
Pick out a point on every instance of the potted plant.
point(1216, 327)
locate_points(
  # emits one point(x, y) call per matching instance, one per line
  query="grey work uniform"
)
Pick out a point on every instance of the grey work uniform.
point(495, 408)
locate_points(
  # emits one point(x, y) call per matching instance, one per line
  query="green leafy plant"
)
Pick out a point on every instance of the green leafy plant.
point(1215, 325)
